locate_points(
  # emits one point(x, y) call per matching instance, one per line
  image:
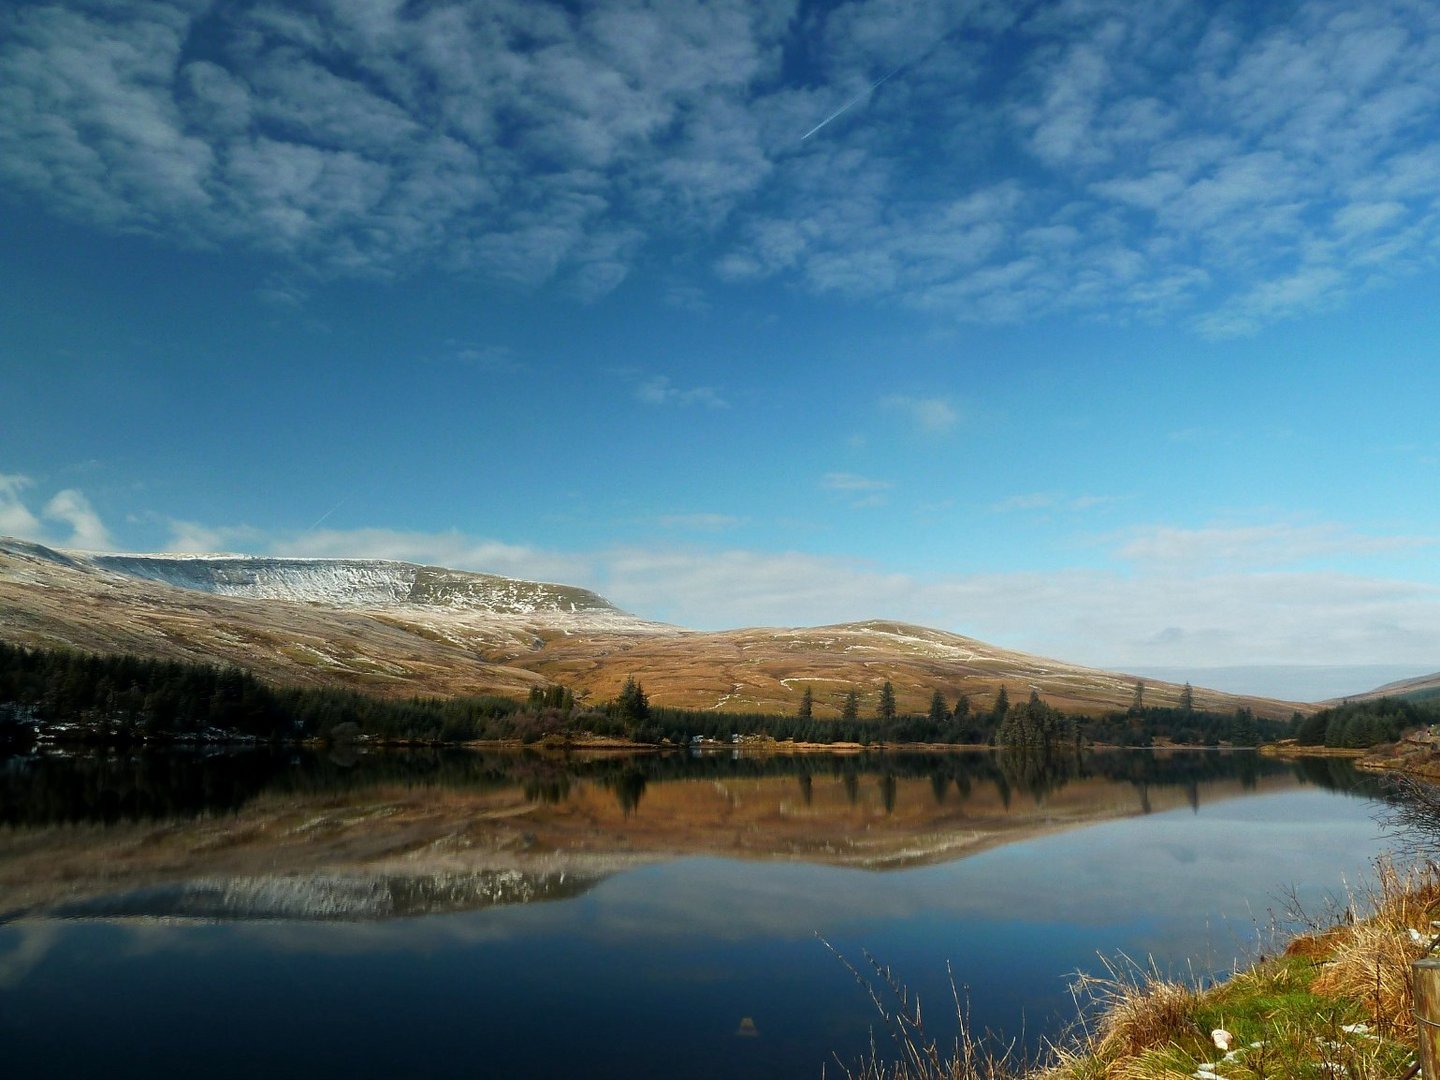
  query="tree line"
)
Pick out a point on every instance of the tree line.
point(119, 698)
point(1359, 724)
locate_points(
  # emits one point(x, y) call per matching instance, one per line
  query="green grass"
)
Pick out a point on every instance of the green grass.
point(1335, 1006)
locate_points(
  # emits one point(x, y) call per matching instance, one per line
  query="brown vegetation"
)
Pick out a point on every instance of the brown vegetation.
point(430, 649)
point(1338, 1003)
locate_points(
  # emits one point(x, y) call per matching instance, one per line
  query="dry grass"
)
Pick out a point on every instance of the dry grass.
point(1337, 1006)
point(1137, 1009)
point(1370, 955)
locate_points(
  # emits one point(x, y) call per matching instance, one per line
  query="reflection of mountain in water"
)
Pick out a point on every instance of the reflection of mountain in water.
point(321, 897)
point(114, 787)
point(264, 835)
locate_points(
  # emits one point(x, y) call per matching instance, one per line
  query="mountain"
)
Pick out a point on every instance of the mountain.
point(351, 583)
point(401, 629)
point(1420, 688)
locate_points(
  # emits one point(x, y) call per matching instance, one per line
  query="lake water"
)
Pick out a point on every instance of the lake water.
point(469, 915)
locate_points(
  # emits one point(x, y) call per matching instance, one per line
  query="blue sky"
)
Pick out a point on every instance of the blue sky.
point(1100, 330)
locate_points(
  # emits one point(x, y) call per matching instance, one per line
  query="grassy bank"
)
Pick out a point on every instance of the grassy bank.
point(1335, 1003)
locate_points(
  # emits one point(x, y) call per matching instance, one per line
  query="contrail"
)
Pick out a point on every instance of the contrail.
point(852, 102)
point(321, 519)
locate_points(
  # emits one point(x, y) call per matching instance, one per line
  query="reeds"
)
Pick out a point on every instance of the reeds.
point(1370, 954)
point(917, 1054)
point(1338, 1005)
point(1131, 1009)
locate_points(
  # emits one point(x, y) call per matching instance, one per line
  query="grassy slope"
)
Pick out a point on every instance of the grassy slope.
point(411, 649)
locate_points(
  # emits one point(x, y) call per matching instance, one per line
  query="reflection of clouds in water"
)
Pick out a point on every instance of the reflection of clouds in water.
point(22, 946)
point(1186, 882)
point(408, 935)
point(1182, 853)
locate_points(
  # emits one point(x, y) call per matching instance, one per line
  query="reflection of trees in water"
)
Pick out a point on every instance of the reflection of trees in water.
point(889, 785)
point(109, 786)
point(548, 789)
point(940, 785)
point(629, 786)
point(1249, 771)
point(1340, 774)
point(1142, 789)
point(1037, 772)
point(113, 787)
point(1002, 785)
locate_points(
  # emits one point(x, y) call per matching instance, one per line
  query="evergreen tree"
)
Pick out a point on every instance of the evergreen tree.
point(887, 701)
point(962, 707)
point(1311, 731)
point(1137, 703)
point(807, 705)
point(851, 709)
point(632, 704)
point(1187, 699)
point(1001, 706)
point(938, 713)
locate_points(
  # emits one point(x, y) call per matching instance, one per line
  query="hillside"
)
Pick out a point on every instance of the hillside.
point(1420, 688)
point(401, 629)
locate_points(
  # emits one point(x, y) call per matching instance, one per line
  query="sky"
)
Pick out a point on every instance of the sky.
point(1100, 330)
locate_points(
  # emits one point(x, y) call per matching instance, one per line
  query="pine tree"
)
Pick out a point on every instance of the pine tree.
point(807, 705)
point(1001, 706)
point(851, 709)
point(1137, 703)
point(632, 704)
point(1187, 699)
point(938, 713)
point(887, 701)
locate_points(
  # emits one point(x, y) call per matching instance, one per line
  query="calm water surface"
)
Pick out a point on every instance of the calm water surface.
point(470, 916)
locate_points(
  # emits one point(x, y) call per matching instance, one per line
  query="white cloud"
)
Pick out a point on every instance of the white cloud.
point(1272, 545)
point(69, 508)
point(1177, 597)
point(190, 537)
point(15, 517)
point(933, 415)
point(844, 481)
point(658, 390)
point(367, 139)
point(1188, 165)
point(73, 509)
point(1107, 618)
point(1162, 160)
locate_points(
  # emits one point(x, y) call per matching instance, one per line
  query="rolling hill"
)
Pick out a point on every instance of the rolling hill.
point(1420, 688)
point(400, 629)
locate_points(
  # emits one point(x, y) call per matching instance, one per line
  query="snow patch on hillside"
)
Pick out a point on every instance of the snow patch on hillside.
point(353, 583)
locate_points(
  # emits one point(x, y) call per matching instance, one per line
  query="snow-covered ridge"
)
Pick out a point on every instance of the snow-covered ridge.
point(348, 583)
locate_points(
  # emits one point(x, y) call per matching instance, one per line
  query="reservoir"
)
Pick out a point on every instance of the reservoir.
point(469, 914)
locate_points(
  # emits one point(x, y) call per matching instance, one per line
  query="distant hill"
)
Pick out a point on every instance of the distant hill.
point(1420, 688)
point(401, 629)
